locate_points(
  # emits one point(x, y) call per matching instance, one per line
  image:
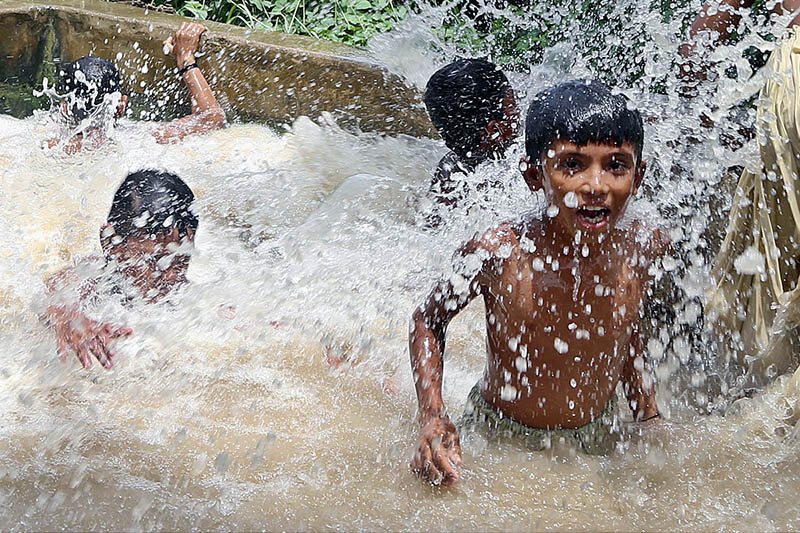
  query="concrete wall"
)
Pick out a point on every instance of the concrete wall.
point(257, 75)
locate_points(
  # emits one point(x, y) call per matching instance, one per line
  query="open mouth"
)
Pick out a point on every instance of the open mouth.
point(593, 216)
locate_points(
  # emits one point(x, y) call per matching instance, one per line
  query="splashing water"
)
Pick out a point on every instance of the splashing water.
point(275, 388)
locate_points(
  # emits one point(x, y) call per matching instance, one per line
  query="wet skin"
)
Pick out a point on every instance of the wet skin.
point(561, 333)
point(207, 114)
point(154, 265)
point(495, 139)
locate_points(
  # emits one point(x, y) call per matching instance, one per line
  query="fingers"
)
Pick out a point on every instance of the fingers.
point(95, 344)
point(437, 463)
point(83, 356)
point(191, 29)
point(115, 333)
point(423, 466)
point(441, 460)
point(453, 446)
point(101, 352)
point(62, 350)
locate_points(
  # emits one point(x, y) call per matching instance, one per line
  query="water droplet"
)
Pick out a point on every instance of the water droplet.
point(751, 262)
point(561, 346)
point(571, 200)
point(508, 393)
point(598, 290)
point(552, 211)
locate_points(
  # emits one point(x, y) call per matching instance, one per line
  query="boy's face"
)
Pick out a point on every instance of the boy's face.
point(120, 112)
point(154, 264)
point(590, 185)
point(500, 134)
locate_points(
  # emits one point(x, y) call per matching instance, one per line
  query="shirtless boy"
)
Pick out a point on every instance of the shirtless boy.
point(90, 83)
point(147, 243)
point(562, 294)
point(472, 105)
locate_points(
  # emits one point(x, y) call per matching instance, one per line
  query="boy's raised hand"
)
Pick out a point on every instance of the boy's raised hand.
point(439, 452)
point(185, 42)
point(84, 336)
point(206, 114)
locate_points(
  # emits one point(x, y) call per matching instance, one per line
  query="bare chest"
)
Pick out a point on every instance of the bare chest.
point(557, 310)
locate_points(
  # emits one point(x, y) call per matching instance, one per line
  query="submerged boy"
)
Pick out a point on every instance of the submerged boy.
point(90, 83)
point(147, 243)
point(472, 106)
point(563, 294)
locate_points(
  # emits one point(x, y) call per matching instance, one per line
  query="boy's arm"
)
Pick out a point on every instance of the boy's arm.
point(639, 385)
point(439, 451)
point(206, 114)
point(74, 330)
point(442, 185)
point(720, 18)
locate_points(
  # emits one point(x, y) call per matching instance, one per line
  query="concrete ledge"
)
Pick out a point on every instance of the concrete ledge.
point(257, 75)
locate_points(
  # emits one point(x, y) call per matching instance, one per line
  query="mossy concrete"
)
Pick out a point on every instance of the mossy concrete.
point(257, 75)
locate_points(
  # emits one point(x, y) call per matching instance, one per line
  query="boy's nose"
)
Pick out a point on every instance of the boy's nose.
point(594, 184)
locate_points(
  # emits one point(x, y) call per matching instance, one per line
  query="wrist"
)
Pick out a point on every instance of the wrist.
point(650, 416)
point(185, 59)
point(428, 415)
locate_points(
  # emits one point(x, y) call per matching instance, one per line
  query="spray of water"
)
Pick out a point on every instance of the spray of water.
point(275, 388)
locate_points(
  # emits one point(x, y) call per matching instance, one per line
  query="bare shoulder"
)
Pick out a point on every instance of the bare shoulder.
point(649, 241)
point(494, 240)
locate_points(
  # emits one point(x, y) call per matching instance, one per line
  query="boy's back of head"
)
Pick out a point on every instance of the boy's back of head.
point(87, 81)
point(581, 111)
point(152, 202)
point(462, 98)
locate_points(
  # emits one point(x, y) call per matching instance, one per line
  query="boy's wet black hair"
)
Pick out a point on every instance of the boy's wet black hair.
point(88, 80)
point(152, 202)
point(462, 98)
point(581, 111)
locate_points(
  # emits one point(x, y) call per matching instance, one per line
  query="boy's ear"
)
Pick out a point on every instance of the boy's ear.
point(123, 105)
point(639, 177)
point(532, 173)
point(490, 137)
point(500, 132)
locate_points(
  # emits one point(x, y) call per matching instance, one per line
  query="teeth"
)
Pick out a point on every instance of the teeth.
point(594, 208)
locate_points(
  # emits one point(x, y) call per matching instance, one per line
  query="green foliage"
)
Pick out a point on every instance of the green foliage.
point(348, 21)
point(610, 36)
point(516, 33)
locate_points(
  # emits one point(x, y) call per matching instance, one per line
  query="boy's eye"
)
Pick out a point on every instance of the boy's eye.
point(617, 165)
point(571, 164)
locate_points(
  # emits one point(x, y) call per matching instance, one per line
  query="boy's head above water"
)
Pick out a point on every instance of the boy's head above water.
point(584, 149)
point(150, 231)
point(472, 106)
point(85, 84)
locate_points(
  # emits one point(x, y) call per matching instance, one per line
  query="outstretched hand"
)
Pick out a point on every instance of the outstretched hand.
point(185, 42)
point(86, 338)
point(439, 453)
